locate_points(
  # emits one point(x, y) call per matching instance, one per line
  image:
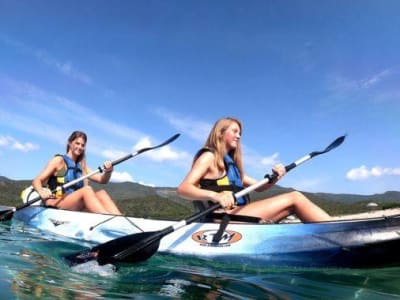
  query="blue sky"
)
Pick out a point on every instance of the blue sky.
point(133, 73)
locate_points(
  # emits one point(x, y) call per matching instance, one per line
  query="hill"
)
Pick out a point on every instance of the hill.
point(133, 198)
point(163, 202)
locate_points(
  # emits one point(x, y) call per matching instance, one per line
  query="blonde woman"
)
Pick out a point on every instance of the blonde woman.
point(217, 173)
point(65, 168)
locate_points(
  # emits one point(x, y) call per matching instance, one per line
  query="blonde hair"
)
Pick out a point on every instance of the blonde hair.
point(216, 143)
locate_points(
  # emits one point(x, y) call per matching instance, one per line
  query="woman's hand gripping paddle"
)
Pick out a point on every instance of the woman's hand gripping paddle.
point(141, 246)
point(7, 215)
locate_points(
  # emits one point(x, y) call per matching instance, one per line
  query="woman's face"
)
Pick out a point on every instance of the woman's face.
point(77, 146)
point(231, 136)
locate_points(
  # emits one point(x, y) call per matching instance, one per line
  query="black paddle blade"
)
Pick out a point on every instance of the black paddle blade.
point(6, 215)
point(170, 140)
point(129, 248)
point(126, 249)
point(333, 145)
point(80, 257)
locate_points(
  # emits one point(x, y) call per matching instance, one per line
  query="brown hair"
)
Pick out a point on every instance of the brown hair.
point(216, 143)
point(74, 135)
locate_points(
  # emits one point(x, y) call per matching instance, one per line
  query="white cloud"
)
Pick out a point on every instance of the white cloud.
point(113, 154)
point(83, 113)
point(363, 173)
point(307, 184)
point(121, 177)
point(44, 57)
point(197, 130)
point(13, 144)
point(33, 126)
point(42, 113)
point(147, 184)
point(375, 79)
point(270, 160)
point(342, 84)
point(24, 147)
point(161, 154)
point(4, 141)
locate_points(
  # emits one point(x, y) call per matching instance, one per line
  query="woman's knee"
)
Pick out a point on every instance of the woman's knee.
point(297, 197)
point(296, 194)
point(87, 189)
point(101, 192)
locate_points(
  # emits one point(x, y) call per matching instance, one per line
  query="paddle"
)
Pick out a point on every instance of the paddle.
point(141, 246)
point(7, 215)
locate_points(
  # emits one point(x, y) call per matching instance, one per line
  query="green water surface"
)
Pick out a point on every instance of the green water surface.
point(33, 268)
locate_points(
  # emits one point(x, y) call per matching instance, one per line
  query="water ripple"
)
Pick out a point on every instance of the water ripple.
point(33, 268)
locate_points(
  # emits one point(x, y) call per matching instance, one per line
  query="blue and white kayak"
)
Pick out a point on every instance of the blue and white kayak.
point(361, 243)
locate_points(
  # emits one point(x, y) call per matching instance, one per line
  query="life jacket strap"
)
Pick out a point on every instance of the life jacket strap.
point(226, 218)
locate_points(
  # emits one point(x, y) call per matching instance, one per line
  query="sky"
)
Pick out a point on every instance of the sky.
point(131, 74)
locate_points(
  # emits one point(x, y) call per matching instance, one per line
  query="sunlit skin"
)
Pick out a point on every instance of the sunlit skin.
point(85, 198)
point(271, 209)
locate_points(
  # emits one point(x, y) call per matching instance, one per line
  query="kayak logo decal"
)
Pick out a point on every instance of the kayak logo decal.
point(205, 238)
point(57, 222)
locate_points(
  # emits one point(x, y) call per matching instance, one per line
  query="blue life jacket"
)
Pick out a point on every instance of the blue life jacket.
point(231, 181)
point(233, 173)
point(73, 171)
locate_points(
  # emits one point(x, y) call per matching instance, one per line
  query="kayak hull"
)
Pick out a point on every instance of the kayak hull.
point(361, 243)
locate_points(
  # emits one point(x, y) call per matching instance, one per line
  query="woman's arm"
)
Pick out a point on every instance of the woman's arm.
point(51, 167)
point(103, 177)
point(278, 169)
point(189, 188)
point(247, 181)
point(203, 167)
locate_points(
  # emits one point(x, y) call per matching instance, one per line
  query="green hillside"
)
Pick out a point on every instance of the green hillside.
point(163, 203)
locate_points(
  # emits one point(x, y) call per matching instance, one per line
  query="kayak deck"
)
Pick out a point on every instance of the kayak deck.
point(373, 242)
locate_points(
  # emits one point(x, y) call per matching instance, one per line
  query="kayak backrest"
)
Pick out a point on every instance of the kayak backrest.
point(29, 194)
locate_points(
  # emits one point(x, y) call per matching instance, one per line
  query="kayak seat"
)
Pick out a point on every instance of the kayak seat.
point(49, 206)
point(212, 217)
point(226, 218)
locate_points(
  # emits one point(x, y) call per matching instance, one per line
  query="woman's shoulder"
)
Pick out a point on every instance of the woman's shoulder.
point(203, 164)
point(204, 150)
point(57, 160)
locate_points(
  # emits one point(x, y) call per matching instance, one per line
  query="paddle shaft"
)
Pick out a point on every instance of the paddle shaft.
point(271, 177)
point(8, 214)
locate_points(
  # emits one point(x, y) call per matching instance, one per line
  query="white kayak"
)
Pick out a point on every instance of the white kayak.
point(346, 243)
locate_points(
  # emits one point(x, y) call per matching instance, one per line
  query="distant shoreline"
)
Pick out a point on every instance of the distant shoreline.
point(366, 215)
point(370, 214)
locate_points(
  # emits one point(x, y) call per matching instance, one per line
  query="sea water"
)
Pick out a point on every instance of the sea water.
point(32, 267)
